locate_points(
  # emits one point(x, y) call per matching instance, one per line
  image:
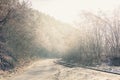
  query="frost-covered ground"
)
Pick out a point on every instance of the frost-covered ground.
point(48, 70)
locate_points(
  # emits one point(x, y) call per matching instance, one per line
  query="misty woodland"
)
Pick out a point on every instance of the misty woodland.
point(27, 34)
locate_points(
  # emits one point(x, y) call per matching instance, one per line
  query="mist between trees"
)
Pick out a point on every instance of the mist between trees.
point(99, 40)
point(18, 23)
point(26, 34)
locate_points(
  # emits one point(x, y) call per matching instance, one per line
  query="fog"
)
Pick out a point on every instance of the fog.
point(69, 10)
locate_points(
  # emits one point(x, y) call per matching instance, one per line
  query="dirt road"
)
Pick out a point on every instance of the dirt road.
point(48, 70)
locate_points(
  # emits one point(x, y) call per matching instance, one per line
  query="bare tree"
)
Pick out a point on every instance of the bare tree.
point(107, 33)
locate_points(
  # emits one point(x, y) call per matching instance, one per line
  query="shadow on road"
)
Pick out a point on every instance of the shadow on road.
point(63, 63)
point(70, 65)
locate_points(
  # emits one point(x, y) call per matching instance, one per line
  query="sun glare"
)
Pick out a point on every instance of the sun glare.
point(69, 10)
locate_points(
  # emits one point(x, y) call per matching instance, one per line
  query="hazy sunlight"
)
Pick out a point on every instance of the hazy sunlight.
point(68, 10)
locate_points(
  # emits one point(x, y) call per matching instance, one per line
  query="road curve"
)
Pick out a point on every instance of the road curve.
point(48, 70)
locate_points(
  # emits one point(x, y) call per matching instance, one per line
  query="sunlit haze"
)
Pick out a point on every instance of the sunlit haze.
point(59, 39)
point(68, 10)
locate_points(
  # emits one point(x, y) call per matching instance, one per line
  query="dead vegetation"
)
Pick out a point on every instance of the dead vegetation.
point(99, 40)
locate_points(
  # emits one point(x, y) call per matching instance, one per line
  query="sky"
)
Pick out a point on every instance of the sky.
point(69, 10)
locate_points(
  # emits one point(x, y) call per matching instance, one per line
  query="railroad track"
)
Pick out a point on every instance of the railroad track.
point(73, 65)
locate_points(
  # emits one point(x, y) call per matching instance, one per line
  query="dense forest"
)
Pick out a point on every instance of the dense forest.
point(26, 33)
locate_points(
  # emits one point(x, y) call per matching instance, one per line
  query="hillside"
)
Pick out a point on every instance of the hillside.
point(55, 35)
point(34, 34)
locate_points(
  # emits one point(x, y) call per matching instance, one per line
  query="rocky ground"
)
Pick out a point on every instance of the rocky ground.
point(49, 70)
